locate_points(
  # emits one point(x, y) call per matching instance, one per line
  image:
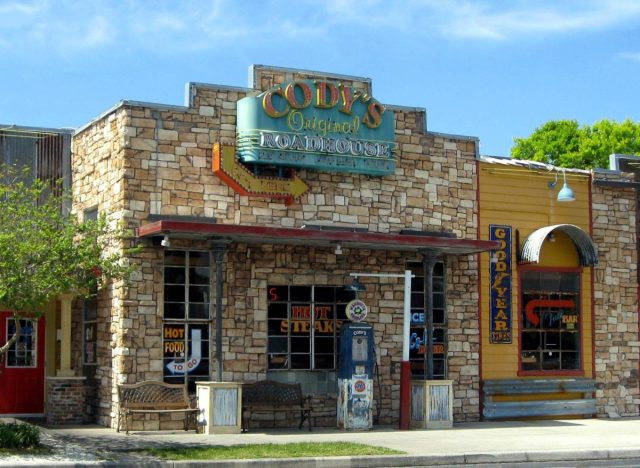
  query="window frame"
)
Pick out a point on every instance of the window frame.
point(92, 301)
point(33, 341)
point(442, 327)
point(187, 323)
point(290, 302)
point(581, 318)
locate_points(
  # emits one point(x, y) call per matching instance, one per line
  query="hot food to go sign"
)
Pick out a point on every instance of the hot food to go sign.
point(320, 125)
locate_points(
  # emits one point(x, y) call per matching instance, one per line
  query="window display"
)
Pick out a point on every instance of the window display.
point(304, 323)
point(187, 284)
point(550, 313)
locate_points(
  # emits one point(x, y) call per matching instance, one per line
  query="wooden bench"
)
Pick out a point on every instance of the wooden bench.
point(268, 396)
point(153, 396)
point(493, 409)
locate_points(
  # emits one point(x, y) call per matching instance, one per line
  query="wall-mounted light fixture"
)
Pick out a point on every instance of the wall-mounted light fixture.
point(356, 286)
point(338, 250)
point(565, 194)
point(165, 242)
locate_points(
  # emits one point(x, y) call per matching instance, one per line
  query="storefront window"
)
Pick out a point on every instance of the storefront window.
point(418, 332)
point(187, 288)
point(550, 317)
point(304, 323)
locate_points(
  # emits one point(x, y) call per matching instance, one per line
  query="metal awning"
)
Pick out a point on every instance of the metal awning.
point(249, 234)
point(587, 250)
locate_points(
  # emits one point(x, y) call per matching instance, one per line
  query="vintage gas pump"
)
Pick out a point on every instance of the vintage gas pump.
point(355, 375)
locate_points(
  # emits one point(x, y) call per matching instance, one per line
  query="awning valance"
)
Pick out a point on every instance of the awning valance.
point(313, 237)
point(587, 250)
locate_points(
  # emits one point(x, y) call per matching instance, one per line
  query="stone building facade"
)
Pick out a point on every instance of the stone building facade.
point(143, 162)
point(203, 233)
point(617, 325)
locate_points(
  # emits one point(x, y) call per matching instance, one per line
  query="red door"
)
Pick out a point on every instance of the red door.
point(22, 367)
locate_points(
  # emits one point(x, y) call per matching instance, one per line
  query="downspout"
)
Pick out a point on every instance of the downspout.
point(480, 298)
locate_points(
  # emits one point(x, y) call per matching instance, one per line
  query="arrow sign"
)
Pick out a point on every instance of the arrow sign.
point(193, 361)
point(227, 167)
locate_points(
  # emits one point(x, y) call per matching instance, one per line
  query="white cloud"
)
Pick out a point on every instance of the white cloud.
point(632, 56)
point(98, 32)
point(76, 26)
point(483, 20)
point(52, 27)
point(21, 8)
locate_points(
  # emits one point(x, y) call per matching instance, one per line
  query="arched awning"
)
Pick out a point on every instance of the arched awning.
point(587, 250)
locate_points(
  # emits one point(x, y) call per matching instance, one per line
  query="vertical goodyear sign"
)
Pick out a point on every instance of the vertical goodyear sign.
point(500, 276)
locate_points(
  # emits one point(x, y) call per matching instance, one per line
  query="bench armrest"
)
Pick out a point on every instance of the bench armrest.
point(306, 401)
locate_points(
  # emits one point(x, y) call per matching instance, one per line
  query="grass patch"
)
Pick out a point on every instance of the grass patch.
point(292, 450)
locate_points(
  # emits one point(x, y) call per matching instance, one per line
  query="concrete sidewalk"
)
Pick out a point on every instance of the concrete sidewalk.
point(467, 443)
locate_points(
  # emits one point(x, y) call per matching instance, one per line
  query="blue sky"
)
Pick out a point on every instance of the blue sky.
point(491, 69)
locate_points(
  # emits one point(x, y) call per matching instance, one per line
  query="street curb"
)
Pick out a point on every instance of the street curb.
point(374, 461)
point(418, 460)
point(377, 461)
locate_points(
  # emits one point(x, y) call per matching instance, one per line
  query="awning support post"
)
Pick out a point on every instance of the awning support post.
point(428, 262)
point(219, 251)
point(405, 369)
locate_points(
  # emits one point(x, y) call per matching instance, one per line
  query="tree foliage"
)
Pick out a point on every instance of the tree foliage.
point(45, 252)
point(564, 143)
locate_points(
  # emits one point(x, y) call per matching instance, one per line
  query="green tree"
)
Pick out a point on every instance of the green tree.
point(45, 252)
point(566, 144)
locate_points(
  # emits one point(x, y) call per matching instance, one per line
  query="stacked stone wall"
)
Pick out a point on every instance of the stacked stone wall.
point(250, 269)
point(98, 181)
point(616, 329)
point(169, 157)
point(144, 161)
point(463, 335)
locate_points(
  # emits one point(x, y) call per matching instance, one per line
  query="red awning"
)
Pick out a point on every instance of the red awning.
point(313, 237)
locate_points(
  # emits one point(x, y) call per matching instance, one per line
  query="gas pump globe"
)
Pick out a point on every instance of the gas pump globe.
point(355, 370)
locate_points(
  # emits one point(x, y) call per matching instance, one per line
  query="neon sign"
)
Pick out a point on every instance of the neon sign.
point(174, 345)
point(318, 125)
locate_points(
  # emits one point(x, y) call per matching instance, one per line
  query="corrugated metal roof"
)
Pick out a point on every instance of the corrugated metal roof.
point(587, 250)
point(531, 165)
